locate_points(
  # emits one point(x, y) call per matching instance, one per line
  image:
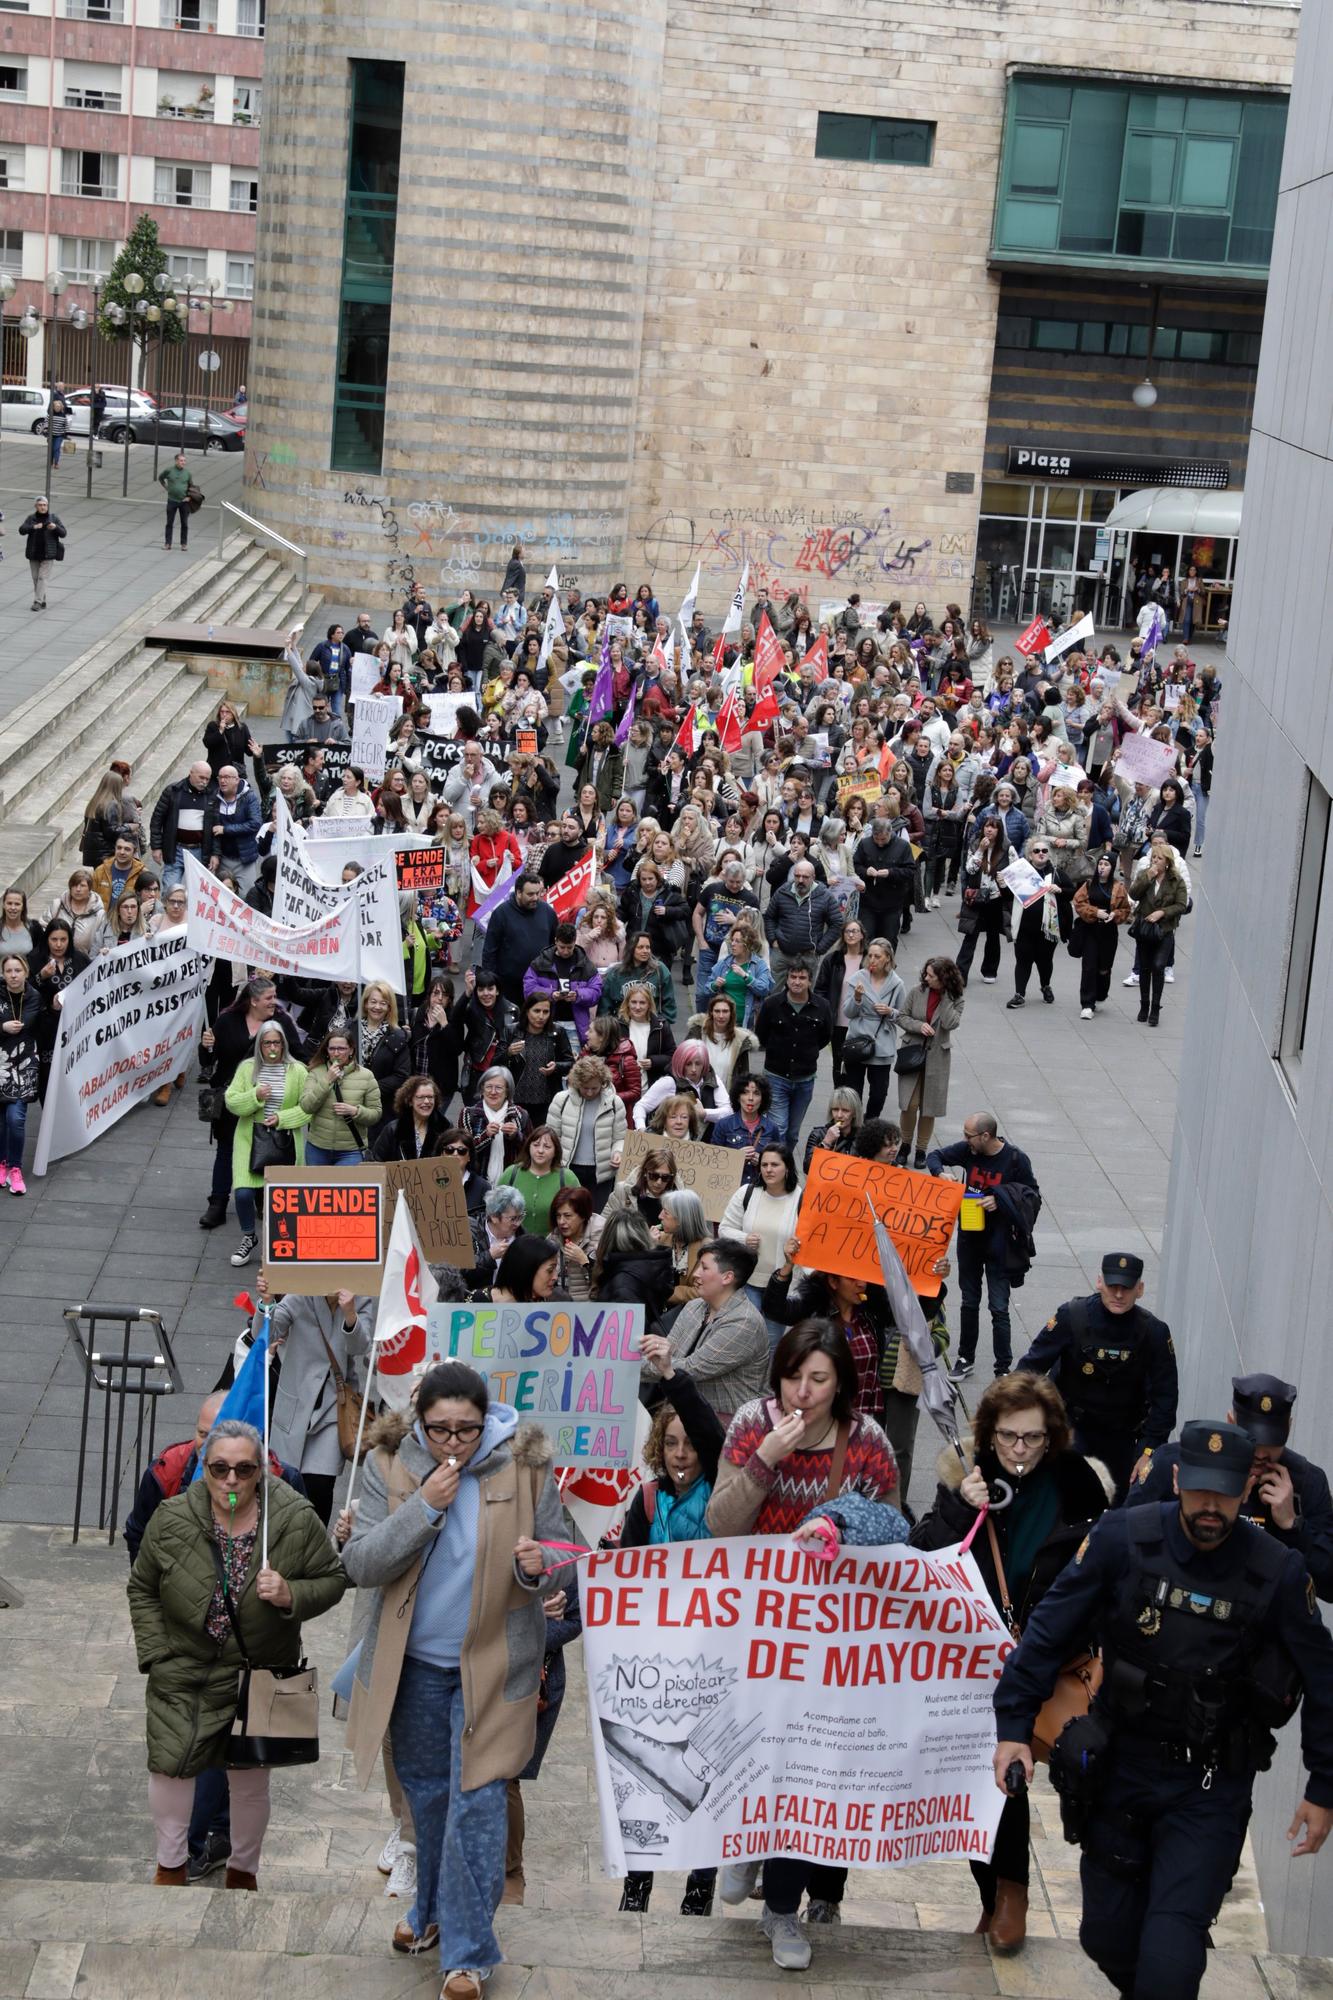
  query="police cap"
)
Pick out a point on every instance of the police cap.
point(1262, 1403)
point(1215, 1457)
point(1121, 1268)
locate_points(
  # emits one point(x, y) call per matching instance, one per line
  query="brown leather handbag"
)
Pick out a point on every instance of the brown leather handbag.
point(348, 1401)
point(1076, 1684)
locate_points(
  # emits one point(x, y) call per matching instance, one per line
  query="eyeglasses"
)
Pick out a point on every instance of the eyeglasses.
point(462, 1150)
point(657, 1174)
point(221, 1470)
point(459, 1433)
point(1029, 1440)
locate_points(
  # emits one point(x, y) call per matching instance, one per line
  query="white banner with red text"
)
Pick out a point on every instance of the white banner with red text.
point(226, 926)
point(750, 1701)
point(128, 1024)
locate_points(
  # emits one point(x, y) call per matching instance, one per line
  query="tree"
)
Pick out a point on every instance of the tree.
point(142, 253)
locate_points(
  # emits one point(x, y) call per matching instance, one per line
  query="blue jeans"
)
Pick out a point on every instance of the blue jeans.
point(321, 1156)
point(973, 1265)
point(244, 1198)
point(460, 1835)
point(212, 1809)
point(791, 1101)
point(1200, 815)
point(16, 1123)
point(173, 874)
point(57, 446)
point(705, 965)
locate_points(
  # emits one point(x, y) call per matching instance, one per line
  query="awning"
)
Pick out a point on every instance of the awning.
point(1178, 510)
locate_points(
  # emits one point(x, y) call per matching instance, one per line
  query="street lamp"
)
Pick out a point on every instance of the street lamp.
point(92, 375)
point(8, 284)
point(56, 282)
point(134, 286)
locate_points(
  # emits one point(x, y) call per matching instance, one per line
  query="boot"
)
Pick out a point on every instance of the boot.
point(236, 1878)
point(171, 1878)
point(162, 1096)
point(1009, 1920)
point(698, 1898)
point(638, 1888)
point(515, 1880)
point(214, 1215)
point(982, 1925)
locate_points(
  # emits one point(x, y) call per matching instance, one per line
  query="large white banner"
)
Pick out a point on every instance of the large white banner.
point(750, 1700)
point(221, 924)
point(372, 719)
point(301, 898)
point(128, 1024)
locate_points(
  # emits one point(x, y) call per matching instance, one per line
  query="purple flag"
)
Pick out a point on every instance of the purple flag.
point(501, 893)
point(601, 701)
point(627, 719)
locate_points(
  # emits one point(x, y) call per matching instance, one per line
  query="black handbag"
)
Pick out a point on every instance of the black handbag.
point(1145, 932)
point(911, 1056)
point(271, 1146)
point(859, 1048)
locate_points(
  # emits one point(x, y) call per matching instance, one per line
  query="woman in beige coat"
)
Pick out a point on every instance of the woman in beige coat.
point(934, 1009)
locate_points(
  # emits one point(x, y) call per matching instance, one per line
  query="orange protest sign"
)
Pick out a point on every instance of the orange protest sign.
point(324, 1229)
point(834, 1226)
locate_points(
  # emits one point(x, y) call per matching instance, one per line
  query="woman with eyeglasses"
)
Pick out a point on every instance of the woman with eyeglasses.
point(455, 1503)
point(1021, 1445)
point(642, 1192)
point(202, 1605)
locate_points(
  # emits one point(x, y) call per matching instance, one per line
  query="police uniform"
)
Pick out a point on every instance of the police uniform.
point(1205, 1653)
point(1262, 1405)
point(1116, 1372)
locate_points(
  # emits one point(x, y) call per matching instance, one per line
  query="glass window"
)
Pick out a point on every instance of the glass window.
point(93, 175)
point(1037, 157)
point(1031, 225)
point(14, 80)
point(11, 170)
point(11, 252)
point(1005, 497)
point(95, 10)
point(84, 258)
point(1092, 337)
point(1033, 99)
point(247, 103)
point(365, 313)
point(1205, 175)
point(1201, 239)
point(1057, 546)
point(1211, 112)
point(182, 187)
point(1057, 336)
point(901, 142)
point(250, 17)
point(186, 267)
point(1012, 330)
point(240, 277)
point(1062, 503)
point(244, 196)
point(1150, 168)
point(1304, 932)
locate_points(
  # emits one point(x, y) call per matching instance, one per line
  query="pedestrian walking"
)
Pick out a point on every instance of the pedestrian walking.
point(44, 544)
point(177, 482)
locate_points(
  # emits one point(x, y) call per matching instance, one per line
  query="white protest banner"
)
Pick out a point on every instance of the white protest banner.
point(617, 627)
point(374, 718)
point(1023, 881)
point(352, 840)
point(1142, 760)
point(365, 673)
point(346, 826)
point(444, 711)
point(128, 1024)
point(1073, 635)
point(221, 924)
point(719, 1736)
point(573, 1369)
point(301, 898)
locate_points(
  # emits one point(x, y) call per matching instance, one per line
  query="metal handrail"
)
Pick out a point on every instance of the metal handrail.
point(111, 1373)
point(225, 507)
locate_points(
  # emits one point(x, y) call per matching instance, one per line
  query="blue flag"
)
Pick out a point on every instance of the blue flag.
point(245, 1398)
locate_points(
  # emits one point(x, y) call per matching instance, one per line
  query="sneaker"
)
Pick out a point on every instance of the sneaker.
point(988, 979)
point(827, 1915)
point(1170, 976)
point(791, 1946)
point(390, 1851)
point(464, 1984)
point(698, 1898)
point(961, 1370)
point(1198, 854)
point(4, 1177)
point(1017, 1001)
point(1085, 1014)
point(1130, 979)
point(735, 1882)
point(1048, 996)
point(248, 1246)
point(16, 1181)
point(636, 1892)
point(412, 1943)
point(214, 1853)
point(402, 1880)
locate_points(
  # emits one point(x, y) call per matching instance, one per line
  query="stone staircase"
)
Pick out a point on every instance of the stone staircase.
point(123, 698)
point(79, 1921)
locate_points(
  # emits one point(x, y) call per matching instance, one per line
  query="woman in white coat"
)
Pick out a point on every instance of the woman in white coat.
point(763, 1217)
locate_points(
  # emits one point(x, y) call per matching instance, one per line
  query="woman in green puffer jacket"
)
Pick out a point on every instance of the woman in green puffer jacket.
point(186, 1644)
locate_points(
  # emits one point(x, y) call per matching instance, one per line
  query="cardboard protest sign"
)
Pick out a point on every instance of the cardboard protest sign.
point(1023, 881)
point(129, 1023)
point(573, 1369)
point(433, 1189)
point(374, 718)
point(718, 1736)
point(324, 1229)
point(337, 756)
point(834, 1227)
point(867, 785)
point(225, 926)
point(526, 743)
point(420, 868)
point(1142, 760)
point(443, 710)
point(713, 1172)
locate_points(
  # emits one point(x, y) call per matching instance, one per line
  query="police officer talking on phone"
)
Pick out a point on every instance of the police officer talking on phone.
point(1115, 1366)
point(1210, 1634)
point(1288, 1496)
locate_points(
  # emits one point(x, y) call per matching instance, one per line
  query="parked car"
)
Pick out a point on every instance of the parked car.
point(80, 401)
point(25, 409)
point(203, 430)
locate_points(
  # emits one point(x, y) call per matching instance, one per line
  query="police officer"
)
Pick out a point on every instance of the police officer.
point(1115, 1366)
point(1210, 1633)
point(1288, 1496)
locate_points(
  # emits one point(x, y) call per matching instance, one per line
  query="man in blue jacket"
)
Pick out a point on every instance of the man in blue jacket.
point(235, 831)
point(519, 932)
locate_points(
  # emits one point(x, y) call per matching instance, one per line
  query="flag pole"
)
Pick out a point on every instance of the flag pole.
point(267, 1311)
point(361, 1426)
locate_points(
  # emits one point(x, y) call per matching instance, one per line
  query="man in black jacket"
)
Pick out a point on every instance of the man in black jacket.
point(883, 861)
point(792, 1027)
point(520, 929)
point(565, 853)
point(182, 821)
point(482, 1024)
point(995, 1173)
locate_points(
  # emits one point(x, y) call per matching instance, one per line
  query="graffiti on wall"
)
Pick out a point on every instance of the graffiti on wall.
point(797, 548)
point(431, 538)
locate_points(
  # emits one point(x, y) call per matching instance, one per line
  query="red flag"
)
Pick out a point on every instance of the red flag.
point(1035, 640)
point(570, 893)
point(719, 653)
point(817, 658)
point(659, 658)
point(766, 711)
point(768, 659)
point(687, 736)
point(729, 724)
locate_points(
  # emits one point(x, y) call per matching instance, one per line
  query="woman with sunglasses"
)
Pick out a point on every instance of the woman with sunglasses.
point(456, 1501)
point(202, 1604)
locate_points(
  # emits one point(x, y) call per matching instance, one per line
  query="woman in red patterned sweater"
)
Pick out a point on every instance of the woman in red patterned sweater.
point(801, 1455)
